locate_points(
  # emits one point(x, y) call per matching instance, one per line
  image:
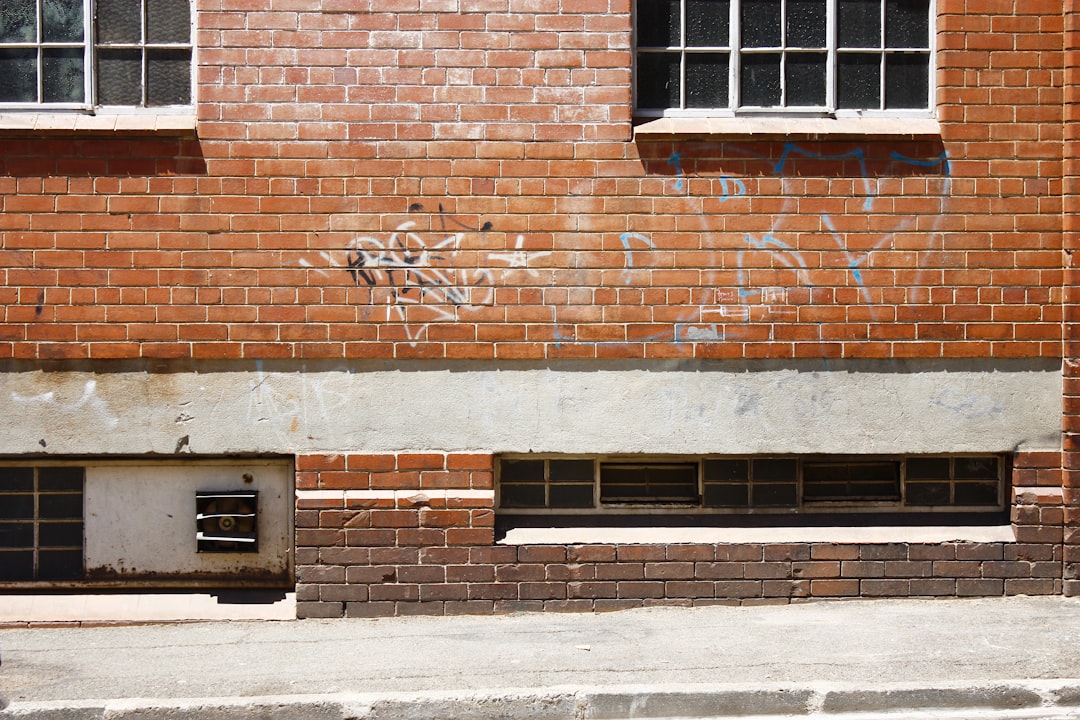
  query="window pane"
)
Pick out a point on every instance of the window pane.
point(658, 23)
point(17, 565)
point(927, 493)
point(726, 470)
point(760, 80)
point(907, 23)
point(119, 21)
point(571, 471)
point(760, 22)
point(806, 79)
point(521, 470)
point(858, 82)
point(658, 80)
point(806, 23)
point(707, 80)
point(707, 23)
point(928, 469)
point(859, 24)
point(168, 77)
point(512, 495)
point(572, 496)
point(62, 79)
point(62, 20)
point(979, 468)
point(60, 506)
point(16, 479)
point(168, 21)
point(69, 534)
point(119, 77)
point(18, 21)
point(976, 493)
point(645, 483)
point(775, 469)
point(17, 507)
point(18, 76)
point(907, 81)
point(60, 564)
point(727, 495)
point(52, 479)
point(779, 495)
point(16, 534)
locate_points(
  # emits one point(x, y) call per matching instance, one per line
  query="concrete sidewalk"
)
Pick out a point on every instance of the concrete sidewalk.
point(1003, 657)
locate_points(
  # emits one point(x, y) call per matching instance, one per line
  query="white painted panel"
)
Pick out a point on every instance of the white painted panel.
point(140, 520)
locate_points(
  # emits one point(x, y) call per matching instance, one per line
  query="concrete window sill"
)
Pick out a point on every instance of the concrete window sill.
point(788, 127)
point(20, 123)
point(758, 535)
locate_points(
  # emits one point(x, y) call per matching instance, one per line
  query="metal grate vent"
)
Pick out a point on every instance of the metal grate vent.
point(227, 522)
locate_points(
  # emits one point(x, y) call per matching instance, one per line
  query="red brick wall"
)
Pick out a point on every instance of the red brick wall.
point(415, 552)
point(323, 133)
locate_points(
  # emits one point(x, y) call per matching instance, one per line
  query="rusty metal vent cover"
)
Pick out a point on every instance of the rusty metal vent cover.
point(227, 522)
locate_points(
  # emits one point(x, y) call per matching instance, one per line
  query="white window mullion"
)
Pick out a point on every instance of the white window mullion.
point(735, 43)
point(783, 54)
point(832, 60)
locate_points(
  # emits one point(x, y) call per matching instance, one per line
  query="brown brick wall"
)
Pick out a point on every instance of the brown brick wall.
point(416, 553)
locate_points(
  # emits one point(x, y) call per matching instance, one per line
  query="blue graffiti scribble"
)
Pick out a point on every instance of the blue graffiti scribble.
point(626, 238)
point(675, 161)
point(740, 187)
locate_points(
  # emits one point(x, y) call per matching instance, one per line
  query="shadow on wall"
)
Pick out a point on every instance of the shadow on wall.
point(737, 160)
point(128, 156)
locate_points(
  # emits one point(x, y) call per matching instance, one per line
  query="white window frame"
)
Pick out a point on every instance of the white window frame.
point(90, 104)
point(829, 110)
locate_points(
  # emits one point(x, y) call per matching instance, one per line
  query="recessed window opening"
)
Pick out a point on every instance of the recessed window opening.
point(76, 54)
point(752, 484)
point(41, 523)
point(820, 56)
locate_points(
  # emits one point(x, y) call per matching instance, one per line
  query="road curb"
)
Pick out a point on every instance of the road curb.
point(1004, 700)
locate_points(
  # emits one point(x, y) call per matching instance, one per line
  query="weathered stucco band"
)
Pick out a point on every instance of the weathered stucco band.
point(663, 407)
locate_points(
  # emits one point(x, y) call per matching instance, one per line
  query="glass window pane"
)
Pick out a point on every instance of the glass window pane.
point(572, 496)
point(16, 479)
point(707, 23)
point(927, 493)
point(979, 468)
point(759, 81)
point(62, 20)
point(775, 469)
point(17, 565)
point(60, 565)
point(727, 495)
point(907, 23)
point(806, 23)
point(119, 21)
point(976, 493)
point(52, 479)
point(512, 495)
point(726, 470)
point(68, 534)
point(168, 21)
point(521, 470)
point(907, 80)
point(858, 82)
point(17, 507)
point(18, 76)
point(707, 80)
point(18, 21)
point(760, 23)
point(60, 506)
point(658, 80)
point(928, 469)
point(859, 24)
point(805, 79)
point(778, 495)
point(119, 77)
point(658, 23)
point(62, 77)
point(571, 471)
point(16, 534)
point(168, 77)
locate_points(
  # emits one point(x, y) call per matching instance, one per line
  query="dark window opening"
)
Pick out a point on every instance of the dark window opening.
point(41, 523)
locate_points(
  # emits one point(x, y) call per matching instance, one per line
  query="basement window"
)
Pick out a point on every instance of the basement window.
point(734, 485)
point(41, 523)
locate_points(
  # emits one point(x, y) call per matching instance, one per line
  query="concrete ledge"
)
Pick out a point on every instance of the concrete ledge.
point(870, 534)
point(1007, 700)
